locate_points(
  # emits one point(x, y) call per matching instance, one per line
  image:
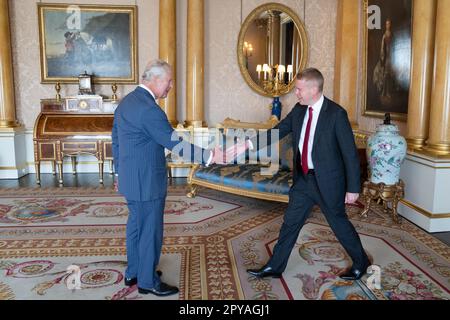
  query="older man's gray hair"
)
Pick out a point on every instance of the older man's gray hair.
point(156, 69)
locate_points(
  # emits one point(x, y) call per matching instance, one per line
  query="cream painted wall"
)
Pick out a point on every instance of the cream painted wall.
point(226, 93)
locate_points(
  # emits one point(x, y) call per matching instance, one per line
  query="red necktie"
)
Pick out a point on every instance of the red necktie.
point(305, 143)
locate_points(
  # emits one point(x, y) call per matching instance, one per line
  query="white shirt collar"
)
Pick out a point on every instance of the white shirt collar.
point(148, 90)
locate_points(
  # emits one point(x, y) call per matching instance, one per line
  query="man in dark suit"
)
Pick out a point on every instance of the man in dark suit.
point(326, 173)
point(140, 133)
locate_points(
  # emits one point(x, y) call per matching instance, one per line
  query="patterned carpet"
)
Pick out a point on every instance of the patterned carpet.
point(209, 243)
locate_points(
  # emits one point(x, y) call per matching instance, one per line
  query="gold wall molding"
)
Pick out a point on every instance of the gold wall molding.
point(424, 212)
point(13, 168)
point(427, 165)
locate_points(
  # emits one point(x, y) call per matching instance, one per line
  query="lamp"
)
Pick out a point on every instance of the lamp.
point(274, 78)
point(248, 52)
point(274, 83)
point(248, 49)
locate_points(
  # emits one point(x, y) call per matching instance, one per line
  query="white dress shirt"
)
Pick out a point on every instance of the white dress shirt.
point(315, 116)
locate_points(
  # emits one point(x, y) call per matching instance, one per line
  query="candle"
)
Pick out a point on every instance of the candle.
point(259, 69)
point(281, 70)
point(290, 70)
point(266, 70)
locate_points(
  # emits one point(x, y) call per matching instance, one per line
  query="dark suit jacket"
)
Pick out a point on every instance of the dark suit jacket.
point(140, 133)
point(334, 153)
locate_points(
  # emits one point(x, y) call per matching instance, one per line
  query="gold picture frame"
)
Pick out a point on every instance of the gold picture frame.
point(301, 47)
point(387, 72)
point(99, 39)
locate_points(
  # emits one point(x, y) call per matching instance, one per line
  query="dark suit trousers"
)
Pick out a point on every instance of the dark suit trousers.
point(144, 241)
point(301, 202)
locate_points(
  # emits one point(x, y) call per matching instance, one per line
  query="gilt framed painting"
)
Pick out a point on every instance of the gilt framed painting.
point(387, 57)
point(100, 40)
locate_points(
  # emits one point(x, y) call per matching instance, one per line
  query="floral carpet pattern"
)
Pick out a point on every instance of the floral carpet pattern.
point(209, 243)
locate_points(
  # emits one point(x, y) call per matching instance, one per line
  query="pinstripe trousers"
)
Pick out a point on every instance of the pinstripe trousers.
point(144, 241)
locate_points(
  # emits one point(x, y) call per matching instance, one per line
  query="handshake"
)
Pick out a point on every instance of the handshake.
point(220, 156)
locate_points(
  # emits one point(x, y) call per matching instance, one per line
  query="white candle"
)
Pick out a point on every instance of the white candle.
point(266, 70)
point(290, 70)
point(259, 69)
point(281, 70)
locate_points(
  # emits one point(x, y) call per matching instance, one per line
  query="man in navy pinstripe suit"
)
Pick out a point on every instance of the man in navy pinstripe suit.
point(140, 133)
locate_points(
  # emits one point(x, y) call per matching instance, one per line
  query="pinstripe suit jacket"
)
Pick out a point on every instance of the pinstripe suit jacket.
point(140, 133)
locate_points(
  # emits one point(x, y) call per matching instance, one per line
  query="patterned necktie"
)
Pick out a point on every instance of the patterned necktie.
point(305, 143)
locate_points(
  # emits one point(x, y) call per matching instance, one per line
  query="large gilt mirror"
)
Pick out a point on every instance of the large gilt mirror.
point(272, 48)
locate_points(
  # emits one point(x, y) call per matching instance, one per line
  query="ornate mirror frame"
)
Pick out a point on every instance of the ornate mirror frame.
point(303, 44)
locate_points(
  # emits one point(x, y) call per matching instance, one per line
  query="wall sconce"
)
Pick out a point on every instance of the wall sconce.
point(248, 49)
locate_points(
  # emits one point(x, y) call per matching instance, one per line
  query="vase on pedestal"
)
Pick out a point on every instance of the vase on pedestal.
point(386, 150)
point(276, 107)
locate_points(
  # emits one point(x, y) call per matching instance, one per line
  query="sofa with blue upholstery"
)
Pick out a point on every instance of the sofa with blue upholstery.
point(257, 180)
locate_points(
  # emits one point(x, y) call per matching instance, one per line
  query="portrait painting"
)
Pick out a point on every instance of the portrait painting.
point(100, 40)
point(387, 57)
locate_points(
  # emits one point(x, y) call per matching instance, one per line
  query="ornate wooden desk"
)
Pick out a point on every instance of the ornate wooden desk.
point(59, 133)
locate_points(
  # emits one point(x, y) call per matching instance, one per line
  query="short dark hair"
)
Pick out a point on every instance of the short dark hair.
point(312, 74)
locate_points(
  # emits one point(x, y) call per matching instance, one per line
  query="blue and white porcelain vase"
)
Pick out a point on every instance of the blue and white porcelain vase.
point(276, 107)
point(386, 150)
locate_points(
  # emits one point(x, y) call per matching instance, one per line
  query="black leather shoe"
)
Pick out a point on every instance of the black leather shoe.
point(264, 272)
point(353, 274)
point(162, 290)
point(132, 281)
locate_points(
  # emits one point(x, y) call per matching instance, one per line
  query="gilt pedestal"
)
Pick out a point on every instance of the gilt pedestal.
point(384, 193)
